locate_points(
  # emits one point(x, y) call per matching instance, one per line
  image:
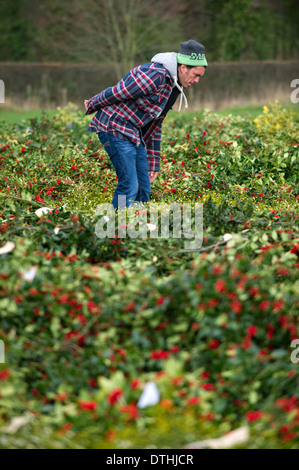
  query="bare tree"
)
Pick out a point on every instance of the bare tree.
point(115, 32)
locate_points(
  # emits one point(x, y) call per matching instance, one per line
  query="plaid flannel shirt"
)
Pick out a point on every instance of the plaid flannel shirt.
point(135, 101)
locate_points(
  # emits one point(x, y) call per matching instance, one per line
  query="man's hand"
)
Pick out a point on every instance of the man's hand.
point(86, 104)
point(152, 175)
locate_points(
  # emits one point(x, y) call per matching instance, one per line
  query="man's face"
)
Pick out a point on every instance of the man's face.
point(189, 77)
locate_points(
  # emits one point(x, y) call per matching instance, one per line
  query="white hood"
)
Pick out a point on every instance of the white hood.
point(169, 61)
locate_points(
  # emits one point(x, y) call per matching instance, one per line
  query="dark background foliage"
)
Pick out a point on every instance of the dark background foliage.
point(133, 29)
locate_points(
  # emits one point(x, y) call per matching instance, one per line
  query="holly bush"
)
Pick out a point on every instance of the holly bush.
point(87, 322)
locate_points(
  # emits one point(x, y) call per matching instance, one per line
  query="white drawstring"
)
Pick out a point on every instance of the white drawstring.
point(182, 94)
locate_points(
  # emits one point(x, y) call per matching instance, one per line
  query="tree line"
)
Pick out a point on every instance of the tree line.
point(123, 33)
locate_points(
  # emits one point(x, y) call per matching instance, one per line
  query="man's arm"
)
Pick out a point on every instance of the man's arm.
point(137, 83)
point(153, 144)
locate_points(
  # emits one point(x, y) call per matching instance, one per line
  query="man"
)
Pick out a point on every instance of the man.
point(130, 115)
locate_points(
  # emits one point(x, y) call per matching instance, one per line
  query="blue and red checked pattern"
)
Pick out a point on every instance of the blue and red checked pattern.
point(132, 103)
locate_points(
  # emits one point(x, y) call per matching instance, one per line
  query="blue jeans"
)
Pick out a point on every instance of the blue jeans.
point(130, 164)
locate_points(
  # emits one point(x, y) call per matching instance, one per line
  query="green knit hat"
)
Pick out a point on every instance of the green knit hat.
point(192, 53)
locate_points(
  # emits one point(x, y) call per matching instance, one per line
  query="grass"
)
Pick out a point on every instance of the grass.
point(16, 116)
point(255, 109)
point(252, 110)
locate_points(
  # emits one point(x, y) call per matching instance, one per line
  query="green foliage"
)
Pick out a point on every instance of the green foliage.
point(87, 322)
point(127, 32)
point(244, 30)
point(16, 31)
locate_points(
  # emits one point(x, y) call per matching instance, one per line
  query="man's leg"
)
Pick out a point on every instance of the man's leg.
point(122, 154)
point(144, 185)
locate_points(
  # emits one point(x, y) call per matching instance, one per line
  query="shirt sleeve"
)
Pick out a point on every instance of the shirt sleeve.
point(153, 148)
point(139, 82)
